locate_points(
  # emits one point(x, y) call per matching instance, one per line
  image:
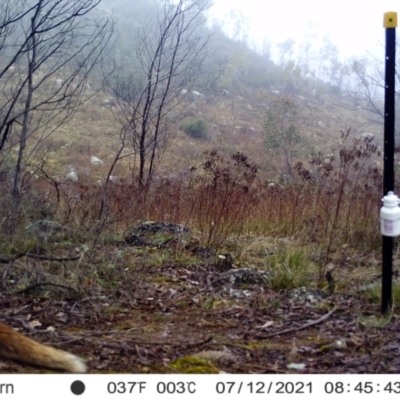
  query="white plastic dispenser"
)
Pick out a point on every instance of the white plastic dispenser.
point(390, 215)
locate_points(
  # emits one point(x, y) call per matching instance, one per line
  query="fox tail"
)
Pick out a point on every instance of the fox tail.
point(17, 347)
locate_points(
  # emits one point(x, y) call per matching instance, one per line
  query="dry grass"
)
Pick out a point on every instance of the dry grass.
point(220, 187)
point(327, 207)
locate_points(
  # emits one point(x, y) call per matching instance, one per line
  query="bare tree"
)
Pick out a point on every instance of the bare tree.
point(169, 59)
point(285, 49)
point(48, 49)
point(368, 89)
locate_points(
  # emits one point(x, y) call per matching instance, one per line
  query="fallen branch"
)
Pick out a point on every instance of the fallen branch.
point(299, 328)
point(4, 260)
point(53, 258)
point(28, 253)
point(391, 346)
point(86, 299)
point(84, 336)
point(200, 343)
point(119, 334)
point(29, 288)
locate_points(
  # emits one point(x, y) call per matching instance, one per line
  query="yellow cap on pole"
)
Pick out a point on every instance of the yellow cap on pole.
point(390, 19)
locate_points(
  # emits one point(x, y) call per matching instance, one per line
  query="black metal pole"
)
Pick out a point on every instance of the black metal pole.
point(388, 166)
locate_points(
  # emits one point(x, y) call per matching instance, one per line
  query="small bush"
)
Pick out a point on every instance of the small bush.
point(222, 196)
point(291, 268)
point(197, 129)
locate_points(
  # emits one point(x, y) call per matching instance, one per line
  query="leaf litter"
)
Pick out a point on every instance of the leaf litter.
point(231, 320)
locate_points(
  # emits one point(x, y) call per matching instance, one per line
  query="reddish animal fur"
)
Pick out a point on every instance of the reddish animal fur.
point(18, 347)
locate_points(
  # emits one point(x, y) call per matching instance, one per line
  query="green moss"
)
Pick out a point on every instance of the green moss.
point(194, 365)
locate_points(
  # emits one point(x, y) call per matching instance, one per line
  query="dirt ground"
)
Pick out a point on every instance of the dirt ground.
point(197, 319)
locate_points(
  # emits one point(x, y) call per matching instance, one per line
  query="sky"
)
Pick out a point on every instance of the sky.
point(354, 26)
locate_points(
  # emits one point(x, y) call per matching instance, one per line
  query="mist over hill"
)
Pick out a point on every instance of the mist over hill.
point(238, 85)
point(215, 80)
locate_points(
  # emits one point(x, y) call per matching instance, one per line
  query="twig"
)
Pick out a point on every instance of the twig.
point(196, 344)
point(357, 359)
point(86, 299)
point(84, 337)
point(29, 288)
point(53, 258)
point(4, 260)
point(299, 328)
point(5, 273)
point(265, 369)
